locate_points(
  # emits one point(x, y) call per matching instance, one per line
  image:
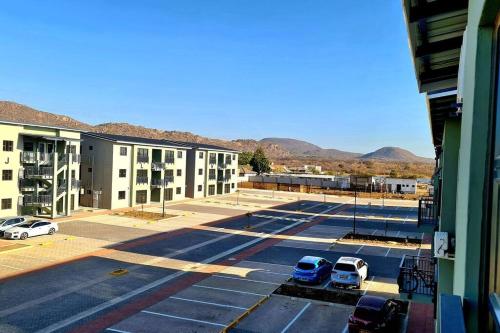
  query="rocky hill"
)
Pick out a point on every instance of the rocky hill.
point(277, 149)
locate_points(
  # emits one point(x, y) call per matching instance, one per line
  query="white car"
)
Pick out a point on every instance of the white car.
point(10, 222)
point(34, 228)
point(349, 271)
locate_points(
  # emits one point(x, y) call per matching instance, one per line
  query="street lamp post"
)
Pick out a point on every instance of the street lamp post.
point(355, 205)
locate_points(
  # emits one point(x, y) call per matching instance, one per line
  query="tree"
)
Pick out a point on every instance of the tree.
point(245, 157)
point(259, 162)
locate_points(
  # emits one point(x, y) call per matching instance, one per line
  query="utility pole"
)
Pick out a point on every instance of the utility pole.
point(355, 204)
point(163, 194)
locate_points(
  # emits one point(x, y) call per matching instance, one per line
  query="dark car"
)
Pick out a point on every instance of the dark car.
point(312, 270)
point(375, 314)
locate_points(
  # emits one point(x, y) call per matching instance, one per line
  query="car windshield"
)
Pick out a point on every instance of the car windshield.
point(306, 266)
point(344, 267)
point(367, 314)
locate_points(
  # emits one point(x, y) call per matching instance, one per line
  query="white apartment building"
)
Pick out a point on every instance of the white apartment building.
point(40, 168)
point(400, 185)
point(211, 170)
point(122, 171)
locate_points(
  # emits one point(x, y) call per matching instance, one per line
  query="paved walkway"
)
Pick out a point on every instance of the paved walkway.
point(421, 318)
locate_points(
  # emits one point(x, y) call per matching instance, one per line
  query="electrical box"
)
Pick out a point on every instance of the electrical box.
point(441, 244)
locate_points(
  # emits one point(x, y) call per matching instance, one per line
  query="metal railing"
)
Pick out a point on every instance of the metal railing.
point(26, 184)
point(142, 180)
point(45, 158)
point(427, 212)
point(40, 172)
point(39, 200)
point(62, 186)
point(157, 166)
point(169, 160)
point(76, 158)
point(28, 157)
point(212, 160)
point(417, 275)
point(62, 159)
point(142, 158)
point(157, 182)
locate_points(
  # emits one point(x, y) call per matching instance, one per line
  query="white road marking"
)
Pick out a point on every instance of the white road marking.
point(388, 250)
point(346, 328)
point(296, 317)
point(397, 234)
point(183, 318)
point(243, 279)
point(360, 248)
point(208, 303)
point(230, 290)
point(368, 287)
point(373, 233)
point(118, 331)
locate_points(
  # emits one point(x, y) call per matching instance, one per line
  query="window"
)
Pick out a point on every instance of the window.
point(232, 185)
point(141, 196)
point(90, 169)
point(123, 151)
point(29, 146)
point(6, 203)
point(6, 174)
point(211, 174)
point(200, 188)
point(211, 189)
point(212, 158)
point(179, 154)
point(233, 171)
point(142, 155)
point(200, 154)
point(179, 172)
point(169, 156)
point(200, 172)
point(73, 174)
point(89, 192)
point(91, 147)
point(178, 190)
point(142, 176)
point(227, 188)
point(234, 157)
point(122, 173)
point(8, 145)
point(121, 195)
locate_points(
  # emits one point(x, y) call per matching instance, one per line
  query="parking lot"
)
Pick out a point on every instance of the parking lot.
point(208, 269)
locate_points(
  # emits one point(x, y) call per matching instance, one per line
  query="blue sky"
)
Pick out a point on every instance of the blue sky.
point(335, 73)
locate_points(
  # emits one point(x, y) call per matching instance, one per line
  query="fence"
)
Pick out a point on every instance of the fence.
point(417, 275)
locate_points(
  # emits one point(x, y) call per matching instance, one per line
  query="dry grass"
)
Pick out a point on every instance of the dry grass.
point(144, 215)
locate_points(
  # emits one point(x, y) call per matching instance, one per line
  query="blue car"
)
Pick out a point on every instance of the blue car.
point(312, 270)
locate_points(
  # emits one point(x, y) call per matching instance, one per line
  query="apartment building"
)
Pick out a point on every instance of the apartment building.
point(455, 48)
point(211, 170)
point(40, 168)
point(123, 171)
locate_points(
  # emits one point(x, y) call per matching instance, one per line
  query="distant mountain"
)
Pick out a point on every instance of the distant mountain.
point(275, 148)
point(395, 154)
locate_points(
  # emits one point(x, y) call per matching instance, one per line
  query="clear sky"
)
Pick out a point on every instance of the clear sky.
point(335, 73)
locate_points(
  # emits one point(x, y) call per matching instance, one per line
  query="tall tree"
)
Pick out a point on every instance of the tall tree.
point(259, 162)
point(245, 157)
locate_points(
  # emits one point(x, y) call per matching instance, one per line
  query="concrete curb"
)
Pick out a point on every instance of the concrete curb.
point(245, 314)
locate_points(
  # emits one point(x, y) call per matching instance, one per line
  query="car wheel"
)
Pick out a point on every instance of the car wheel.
point(24, 235)
point(52, 231)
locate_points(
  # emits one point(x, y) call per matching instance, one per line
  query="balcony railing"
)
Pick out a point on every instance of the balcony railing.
point(157, 166)
point(62, 159)
point(38, 172)
point(45, 158)
point(157, 182)
point(62, 186)
point(417, 275)
point(169, 179)
point(426, 212)
point(37, 200)
point(142, 180)
point(26, 184)
point(169, 160)
point(221, 165)
point(212, 161)
point(76, 158)
point(28, 157)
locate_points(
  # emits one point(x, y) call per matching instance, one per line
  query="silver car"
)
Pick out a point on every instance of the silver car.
point(9, 222)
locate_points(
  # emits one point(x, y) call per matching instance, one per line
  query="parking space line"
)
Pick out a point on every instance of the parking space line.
point(208, 303)
point(325, 285)
point(230, 290)
point(360, 248)
point(243, 279)
point(388, 250)
point(369, 284)
point(118, 331)
point(182, 318)
point(373, 233)
point(296, 317)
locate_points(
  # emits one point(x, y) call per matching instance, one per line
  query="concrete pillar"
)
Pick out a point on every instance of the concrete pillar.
point(54, 183)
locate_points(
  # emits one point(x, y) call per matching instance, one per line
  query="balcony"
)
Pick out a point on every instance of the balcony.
point(28, 157)
point(141, 180)
point(417, 276)
point(427, 214)
point(43, 172)
point(157, 182)
point(157, 166)
point(221, 166)
point(212, 161)
point(62, 159)
point(62, 186)
point(27, 185)
point(169, 160)
point(169, 179)
point(42, 200)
